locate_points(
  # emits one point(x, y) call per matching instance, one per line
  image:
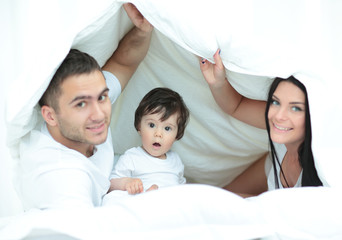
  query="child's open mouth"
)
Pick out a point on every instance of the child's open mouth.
point(156, 144)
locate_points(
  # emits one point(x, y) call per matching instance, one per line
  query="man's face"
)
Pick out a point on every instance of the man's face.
point(84, 110)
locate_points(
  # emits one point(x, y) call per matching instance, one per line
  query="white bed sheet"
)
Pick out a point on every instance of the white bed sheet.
point(192, 212)
point(259, 40)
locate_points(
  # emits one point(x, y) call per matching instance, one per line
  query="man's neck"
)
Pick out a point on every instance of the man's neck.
point(83, 148)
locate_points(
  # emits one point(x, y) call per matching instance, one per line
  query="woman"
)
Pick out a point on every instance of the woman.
point(286, 117)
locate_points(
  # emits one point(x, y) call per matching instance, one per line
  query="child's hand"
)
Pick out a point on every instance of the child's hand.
point(153, 187)
point(134, 186)
point(214, 74)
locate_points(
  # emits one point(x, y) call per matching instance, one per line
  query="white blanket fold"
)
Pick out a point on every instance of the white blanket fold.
point(259, 40)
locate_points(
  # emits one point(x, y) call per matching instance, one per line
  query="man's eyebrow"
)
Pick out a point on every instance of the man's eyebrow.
point(84, 97)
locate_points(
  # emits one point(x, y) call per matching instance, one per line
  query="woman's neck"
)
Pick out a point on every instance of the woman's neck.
point(291, 168)
point(292, 149)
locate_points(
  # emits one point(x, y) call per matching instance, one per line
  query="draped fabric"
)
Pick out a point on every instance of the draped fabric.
point(259, 40)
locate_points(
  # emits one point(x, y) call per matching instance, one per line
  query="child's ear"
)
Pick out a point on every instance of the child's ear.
point(49, 115)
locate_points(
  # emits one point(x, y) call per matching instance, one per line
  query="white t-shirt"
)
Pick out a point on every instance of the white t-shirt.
point(137, 163)
point(54, 176)
point(281, 151)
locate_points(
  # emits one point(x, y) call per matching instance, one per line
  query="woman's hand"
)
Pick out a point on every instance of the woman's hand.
point(214, 74)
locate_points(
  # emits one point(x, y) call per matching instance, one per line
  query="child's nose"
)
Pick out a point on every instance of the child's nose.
point(158, 133)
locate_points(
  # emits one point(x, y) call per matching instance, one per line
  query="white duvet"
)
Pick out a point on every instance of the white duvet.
point(259, 40)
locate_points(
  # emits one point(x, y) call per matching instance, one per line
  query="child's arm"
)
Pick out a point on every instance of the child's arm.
point(230, 101)
point(131, 185)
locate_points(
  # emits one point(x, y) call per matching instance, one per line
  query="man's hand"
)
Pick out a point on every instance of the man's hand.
point(137, 18)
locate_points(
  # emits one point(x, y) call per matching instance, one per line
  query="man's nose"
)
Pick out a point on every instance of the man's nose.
point(97, 112)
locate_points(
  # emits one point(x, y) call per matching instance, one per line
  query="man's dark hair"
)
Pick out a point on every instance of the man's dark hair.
point(75, 63)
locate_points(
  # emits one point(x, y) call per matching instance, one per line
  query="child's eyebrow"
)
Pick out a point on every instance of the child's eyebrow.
point(172, 125)
point(149, 119)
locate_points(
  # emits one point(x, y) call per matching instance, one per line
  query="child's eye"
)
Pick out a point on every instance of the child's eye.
point(81, 104)
point(168, 128)
point(151, 125)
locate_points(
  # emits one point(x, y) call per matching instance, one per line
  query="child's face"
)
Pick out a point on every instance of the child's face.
point(157, 136)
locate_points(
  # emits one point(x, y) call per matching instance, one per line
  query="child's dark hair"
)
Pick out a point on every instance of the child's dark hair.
point(166, 101)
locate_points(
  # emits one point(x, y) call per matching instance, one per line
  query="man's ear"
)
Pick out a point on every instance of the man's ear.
point(49, 115)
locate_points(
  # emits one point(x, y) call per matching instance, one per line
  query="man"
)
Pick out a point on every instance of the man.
point(66, 161)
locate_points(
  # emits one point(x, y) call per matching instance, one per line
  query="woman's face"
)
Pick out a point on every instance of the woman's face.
point(286, 115)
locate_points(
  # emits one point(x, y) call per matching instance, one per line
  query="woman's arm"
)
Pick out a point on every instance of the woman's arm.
point(230, 101)
point(251, 182)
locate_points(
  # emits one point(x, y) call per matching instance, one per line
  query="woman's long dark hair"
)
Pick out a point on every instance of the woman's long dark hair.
point(309, 176)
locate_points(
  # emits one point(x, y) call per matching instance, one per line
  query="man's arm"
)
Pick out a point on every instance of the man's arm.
point(132, 48)
point(62, 189)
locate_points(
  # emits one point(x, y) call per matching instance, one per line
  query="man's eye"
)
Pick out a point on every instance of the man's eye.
point(81, 104)
point(102, 98)
point(151, 125)
point(168, 128)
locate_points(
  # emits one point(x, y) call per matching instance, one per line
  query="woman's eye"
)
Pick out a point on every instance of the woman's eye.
point(81, 104)
point(274, 102)
point(296, 109)
point(168, 128)
point(151, 125)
